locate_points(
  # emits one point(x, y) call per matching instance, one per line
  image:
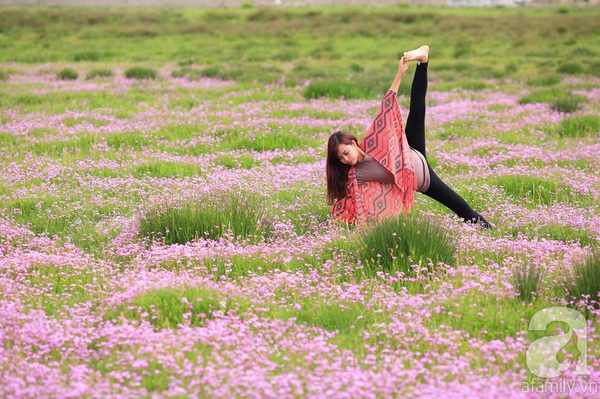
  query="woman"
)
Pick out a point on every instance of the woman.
point(378, 176)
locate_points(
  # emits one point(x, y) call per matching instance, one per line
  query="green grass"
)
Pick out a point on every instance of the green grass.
point(586, 281)
point(59, 102)
point(187, 103)
point(212, 216)
point(311, 219)
point(28, 99)
point(544, 81)
point(396, 243)
point(314, 213)
point(594, 68)
point(64, 285)
point(239, 266)
point(70, 122)
point(180, 132)
point(337, 89)
point(570, 68)
point(268, 142)
point(278, 160)
point(67, 219)
point(7, 140)
point(329, 43)
point(99, 73)
point(173, 139)
point(527, 281)
point(486, 317)
point(535, 190)
point(474, 85)
point(83, 144)
point(170, 307)
point(236, 267)
point(273, 136)
point(87, 56)
point(237, 162)
point(349, 320)
point(580, 126)
point(167, 170)
point(558, 99)
point(553, 231)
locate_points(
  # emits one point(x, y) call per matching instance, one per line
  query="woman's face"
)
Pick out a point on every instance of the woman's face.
point(348, 153)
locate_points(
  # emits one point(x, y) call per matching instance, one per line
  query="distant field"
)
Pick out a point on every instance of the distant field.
point(349, 44)
point(163, 226)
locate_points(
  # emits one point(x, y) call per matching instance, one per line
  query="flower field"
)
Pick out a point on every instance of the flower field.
point(164, 232)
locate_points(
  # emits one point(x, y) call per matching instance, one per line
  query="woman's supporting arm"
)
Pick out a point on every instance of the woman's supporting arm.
point(402, 67)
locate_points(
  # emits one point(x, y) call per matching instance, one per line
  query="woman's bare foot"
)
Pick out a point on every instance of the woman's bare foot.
point(421, 54)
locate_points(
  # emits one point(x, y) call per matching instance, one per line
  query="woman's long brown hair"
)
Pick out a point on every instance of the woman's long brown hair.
point(337, 172)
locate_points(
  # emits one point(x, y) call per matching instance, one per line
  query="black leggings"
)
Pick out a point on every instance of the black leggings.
point(415, 134)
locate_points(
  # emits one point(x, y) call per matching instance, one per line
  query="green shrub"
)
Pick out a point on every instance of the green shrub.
point(183, 72)
point(347, 16)
point(544, 81)
point(185, 63)
point(290, 82)
point(239, 162)
point(462, 49)
point(30, 99)
point(542, 96)
point(527, 281)
point(558, 100)
point(475, 85)
point(586, 279)
point(594, 69)
point(140, 73)
point(396, 243)
point(579, 126)
point(3, 75)
point(511, 68)
point(99, 73)
point(337, 89)
point(222, 15)
point(67, 74)
point(163, 169)
point(354, 67)
point(286, 55)
point(304, 70)
point(568, 104)
point(570, 68)
point(582, 51)
point(212, 216)
point(267, 15)
point(87, 56)
point(268, 142)
point(211, 72)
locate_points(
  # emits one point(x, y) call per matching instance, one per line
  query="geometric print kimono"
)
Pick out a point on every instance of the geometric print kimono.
point(386, 142)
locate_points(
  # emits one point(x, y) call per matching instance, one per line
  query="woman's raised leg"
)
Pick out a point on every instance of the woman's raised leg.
point(415, 124)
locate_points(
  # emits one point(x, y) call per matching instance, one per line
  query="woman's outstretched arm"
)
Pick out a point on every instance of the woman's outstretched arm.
point(402, 68)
